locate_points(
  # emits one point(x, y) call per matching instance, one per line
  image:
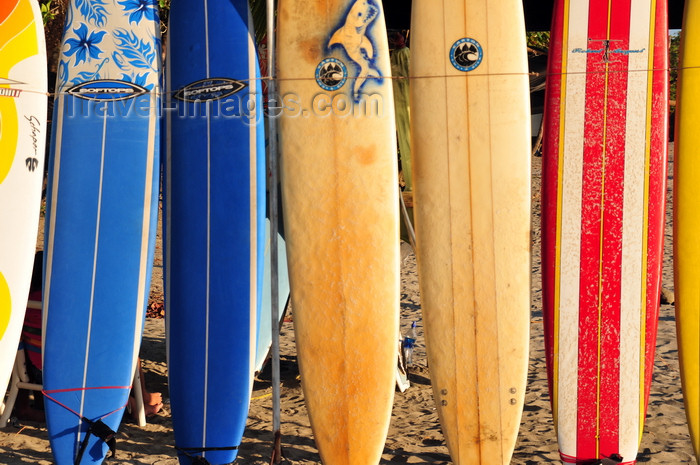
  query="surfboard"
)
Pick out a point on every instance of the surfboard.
point(341, 218)
point(215, 230)
point(471, 154)
point(686, 224)
point(604, 176)
point(264, 332)
point(23, 87)
point(101, 220)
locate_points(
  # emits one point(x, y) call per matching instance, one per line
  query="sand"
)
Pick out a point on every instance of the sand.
point(415, 435)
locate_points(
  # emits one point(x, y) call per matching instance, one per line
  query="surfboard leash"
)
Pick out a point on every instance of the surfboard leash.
point(198, 459)
point(95, 427)
point(613, 459)
point(101, 431)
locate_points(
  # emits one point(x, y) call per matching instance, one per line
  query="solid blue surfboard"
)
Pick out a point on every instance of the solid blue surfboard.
point(215, 211)
point(101, 219)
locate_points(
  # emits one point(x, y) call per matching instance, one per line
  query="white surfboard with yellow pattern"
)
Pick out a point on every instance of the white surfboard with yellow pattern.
point(23, 85)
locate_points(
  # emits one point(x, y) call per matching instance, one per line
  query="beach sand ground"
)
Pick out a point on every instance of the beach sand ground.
point(414, 435)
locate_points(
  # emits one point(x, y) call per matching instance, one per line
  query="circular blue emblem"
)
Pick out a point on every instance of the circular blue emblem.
point(331, 74)
point(466, 54)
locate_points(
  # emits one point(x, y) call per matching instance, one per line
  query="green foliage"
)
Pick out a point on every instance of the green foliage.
point(674, 45)
point(258, 9)
point(538, 40)
point(164, 15)
point(48, 12)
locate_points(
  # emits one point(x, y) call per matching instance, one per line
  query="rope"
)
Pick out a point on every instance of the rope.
point(264, 396)
point(61, 391)
point(397, 78)
point(96, 427)
point(614, 458)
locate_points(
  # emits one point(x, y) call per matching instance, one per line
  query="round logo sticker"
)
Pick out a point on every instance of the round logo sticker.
point(331, 74)
point(466, 54)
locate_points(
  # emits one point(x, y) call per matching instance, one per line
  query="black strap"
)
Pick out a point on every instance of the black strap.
point(101, 431)
point(615, 458)
point(198, 459)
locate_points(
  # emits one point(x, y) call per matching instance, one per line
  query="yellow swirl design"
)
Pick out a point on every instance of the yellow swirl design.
point(5, 305)
point(18, 40)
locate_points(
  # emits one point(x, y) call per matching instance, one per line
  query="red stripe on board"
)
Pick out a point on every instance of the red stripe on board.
point(613, 211)
point(591, 208)
point(550, 176)
point(657, 189)
point(603, 193)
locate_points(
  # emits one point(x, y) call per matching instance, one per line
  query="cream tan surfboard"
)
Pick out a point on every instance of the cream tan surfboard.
point(340, 199)
point(471, 143)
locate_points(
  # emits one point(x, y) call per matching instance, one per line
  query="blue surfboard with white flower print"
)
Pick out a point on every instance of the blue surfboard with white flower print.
point(101, 219)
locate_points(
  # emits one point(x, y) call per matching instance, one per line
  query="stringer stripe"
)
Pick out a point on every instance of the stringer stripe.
point(205, 400)
point(94, 278)
point(482, 228)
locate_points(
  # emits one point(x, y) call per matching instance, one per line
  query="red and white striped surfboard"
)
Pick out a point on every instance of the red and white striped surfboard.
point(603, 216)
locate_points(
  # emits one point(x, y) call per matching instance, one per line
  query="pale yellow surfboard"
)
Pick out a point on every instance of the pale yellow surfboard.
point(340, 200)
point(686, 209)
point(470, 139)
